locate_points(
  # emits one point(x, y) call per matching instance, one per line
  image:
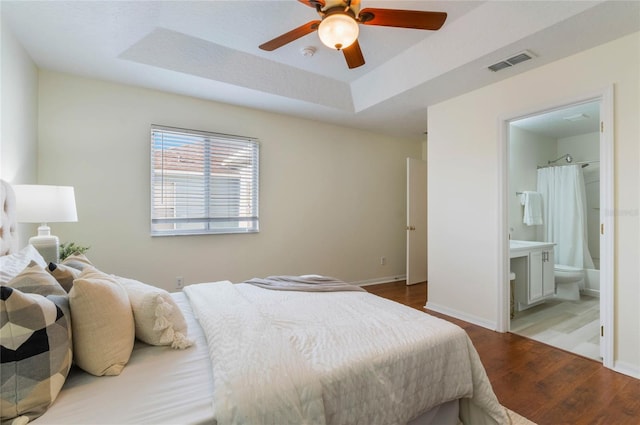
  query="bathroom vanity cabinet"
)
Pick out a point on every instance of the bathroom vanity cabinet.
point(533, 264)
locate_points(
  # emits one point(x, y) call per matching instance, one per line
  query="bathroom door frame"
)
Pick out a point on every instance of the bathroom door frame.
point(607, 223)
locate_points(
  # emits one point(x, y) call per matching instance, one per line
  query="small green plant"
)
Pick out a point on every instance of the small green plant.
point(70, 248)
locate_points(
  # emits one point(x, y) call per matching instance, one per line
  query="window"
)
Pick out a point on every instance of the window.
point(202, 182)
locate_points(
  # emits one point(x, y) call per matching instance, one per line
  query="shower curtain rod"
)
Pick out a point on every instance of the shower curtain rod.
point(583, 163)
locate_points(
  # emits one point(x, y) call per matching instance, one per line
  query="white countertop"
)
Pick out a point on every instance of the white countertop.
point(522, 248)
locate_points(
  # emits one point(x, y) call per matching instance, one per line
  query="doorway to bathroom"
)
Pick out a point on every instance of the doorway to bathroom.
point(559, 187)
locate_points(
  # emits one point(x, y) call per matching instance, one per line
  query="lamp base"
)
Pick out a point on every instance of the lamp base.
point(48, 246)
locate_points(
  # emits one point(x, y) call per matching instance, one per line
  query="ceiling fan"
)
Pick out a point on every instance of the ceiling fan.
point(338, 25)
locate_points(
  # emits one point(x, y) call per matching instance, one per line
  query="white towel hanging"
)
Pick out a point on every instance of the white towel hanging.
point(532, 202)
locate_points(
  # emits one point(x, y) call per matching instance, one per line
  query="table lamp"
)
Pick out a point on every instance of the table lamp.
point(45, 204)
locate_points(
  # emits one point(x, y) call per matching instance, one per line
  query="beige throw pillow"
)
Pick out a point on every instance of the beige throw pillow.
point(77, 261)
point(158, 318)
point(65, 275)
point(102, 323)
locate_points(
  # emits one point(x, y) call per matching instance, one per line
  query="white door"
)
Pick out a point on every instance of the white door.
point(416, 221)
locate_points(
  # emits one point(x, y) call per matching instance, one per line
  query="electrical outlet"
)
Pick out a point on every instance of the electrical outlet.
point(179, 282)
point(383, 261)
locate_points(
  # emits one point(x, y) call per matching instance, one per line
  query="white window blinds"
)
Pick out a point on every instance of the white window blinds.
point(202, 182)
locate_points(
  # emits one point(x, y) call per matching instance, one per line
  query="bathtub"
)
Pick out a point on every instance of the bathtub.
point(592, 282)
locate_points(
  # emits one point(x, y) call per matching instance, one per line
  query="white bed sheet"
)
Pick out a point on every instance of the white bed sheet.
point(158, 386)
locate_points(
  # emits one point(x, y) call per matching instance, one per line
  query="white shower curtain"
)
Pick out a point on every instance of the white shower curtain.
point(564, 214)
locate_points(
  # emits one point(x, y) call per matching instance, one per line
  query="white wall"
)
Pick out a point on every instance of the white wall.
point(19, 112)
point(527, 150)
point(583, 147)
point(332, 199)
point(464, 188)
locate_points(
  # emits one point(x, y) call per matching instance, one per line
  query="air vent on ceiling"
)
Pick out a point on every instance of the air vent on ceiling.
point(513, 60)
point(500, 65)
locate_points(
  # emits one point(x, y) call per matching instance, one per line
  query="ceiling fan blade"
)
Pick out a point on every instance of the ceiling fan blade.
point(402, 18)
point(290, 36)
point(353, 55)
point(313, 3)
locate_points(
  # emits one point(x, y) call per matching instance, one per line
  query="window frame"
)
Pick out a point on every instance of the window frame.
point(248, 176)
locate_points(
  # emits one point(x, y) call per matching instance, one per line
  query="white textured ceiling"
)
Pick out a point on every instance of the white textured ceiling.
point(209, 49)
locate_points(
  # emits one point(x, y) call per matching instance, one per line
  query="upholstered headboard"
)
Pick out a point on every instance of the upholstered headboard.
point(8, 221)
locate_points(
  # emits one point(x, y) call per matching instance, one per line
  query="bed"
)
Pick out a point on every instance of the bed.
point(273, 356)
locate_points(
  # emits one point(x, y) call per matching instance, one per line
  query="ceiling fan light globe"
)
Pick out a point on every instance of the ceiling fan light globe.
point(338, 31)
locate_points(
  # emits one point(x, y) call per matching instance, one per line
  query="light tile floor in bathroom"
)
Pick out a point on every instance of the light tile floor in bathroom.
point(571, 325)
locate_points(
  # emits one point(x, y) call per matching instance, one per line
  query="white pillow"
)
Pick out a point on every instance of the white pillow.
point(102, 323)
point(11, 265)
point(158, 318)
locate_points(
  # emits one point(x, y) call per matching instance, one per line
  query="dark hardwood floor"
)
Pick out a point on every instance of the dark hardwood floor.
point(547, 385)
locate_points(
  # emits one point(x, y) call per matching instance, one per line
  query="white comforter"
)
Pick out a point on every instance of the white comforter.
point(283, 357)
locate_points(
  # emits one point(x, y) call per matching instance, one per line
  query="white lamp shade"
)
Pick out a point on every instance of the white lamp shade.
point(338, 31)
point(45, 204)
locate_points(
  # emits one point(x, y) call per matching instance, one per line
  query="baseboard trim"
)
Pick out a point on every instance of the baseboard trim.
point(627, 369)
point(378, 280)
point(462, 316)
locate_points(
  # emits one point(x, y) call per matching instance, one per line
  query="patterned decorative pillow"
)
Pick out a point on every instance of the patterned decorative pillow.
point(103, 326)
point(77, 261)
point(12, 265)
point(35, 280)
point(158, 318)
point(36, 353)
point(65, 275)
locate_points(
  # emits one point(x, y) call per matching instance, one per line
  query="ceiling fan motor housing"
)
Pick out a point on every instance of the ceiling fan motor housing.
point(339, 28)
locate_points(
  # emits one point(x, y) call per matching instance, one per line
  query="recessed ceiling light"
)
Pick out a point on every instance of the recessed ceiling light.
point(576, 117)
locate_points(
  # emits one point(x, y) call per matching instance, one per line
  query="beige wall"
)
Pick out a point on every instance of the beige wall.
point(464, 188)
point(19, 112)
point(332, 199)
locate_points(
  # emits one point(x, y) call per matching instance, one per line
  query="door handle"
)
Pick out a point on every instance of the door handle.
point(411, 227)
